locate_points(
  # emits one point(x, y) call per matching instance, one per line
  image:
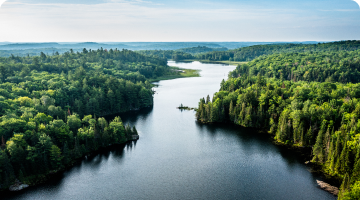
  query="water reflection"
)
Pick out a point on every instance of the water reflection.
point(253, 142)
point(132, 116)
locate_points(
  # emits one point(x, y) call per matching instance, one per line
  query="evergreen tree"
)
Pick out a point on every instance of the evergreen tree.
point(318, 151)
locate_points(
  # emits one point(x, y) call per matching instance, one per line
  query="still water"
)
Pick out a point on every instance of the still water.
point(178, 158)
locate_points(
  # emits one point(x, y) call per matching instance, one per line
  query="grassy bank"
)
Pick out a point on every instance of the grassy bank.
point(178, 73)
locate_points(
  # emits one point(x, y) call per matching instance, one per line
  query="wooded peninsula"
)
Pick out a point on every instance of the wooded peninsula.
point(304, 95)
point(52, 108)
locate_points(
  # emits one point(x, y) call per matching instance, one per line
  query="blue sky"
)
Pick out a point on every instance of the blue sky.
point(171, 20)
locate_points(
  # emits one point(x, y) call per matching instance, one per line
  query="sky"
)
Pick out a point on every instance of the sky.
point(178, 20)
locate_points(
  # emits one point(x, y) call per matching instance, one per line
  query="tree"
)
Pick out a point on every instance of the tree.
point(47, 101)
point(55, 156)
point(73, 122)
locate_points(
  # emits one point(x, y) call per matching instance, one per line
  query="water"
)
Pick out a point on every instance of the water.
point(178, 158)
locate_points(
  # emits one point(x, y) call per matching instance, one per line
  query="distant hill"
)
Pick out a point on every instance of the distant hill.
point(252, 52)
point(201, 49)
point(23, 49)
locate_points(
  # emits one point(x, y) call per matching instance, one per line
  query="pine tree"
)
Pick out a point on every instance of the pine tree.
point(207, 99)
point(199, 111)
point(335, 159)
point(318, 149)
point(327, 143)
point(302, 137)
point(134, 131)
point(231, 111)
point(330, 155)
point(345, 186)
point(207, 113)
point(345, 160)
point(203, 115)
point(356, 170)
point(242, 114)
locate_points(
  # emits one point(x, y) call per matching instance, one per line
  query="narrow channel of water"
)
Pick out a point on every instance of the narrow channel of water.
point(177, 158)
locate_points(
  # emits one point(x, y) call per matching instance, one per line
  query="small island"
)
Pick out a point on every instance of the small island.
point(182, 107)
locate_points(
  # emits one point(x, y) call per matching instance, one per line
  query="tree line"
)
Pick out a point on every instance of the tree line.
point(252, 52)
point(167, 54)
point(180, 54)
point(302, 99)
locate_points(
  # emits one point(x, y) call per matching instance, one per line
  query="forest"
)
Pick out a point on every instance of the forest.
point(252, 52)
point(181, 54)
point(52, 108)
point(304, 99)
point(167, 54)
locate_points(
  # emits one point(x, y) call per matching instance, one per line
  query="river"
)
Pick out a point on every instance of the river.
point(178, 158)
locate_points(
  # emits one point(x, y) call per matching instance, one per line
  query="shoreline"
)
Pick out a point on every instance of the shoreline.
point(43, 178)
point(303, 153)
point(186, 73)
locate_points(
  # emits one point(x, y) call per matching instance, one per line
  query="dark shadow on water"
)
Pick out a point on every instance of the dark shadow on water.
point(251, 137)
point(132, 116)
point(93, 160)
point(244, 134)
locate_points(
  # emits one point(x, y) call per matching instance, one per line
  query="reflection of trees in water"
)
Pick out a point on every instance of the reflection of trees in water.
point(130, 145)
point(92, 160)
point(252, 142)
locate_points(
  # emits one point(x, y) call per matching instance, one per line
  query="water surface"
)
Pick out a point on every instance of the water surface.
point(178, 158)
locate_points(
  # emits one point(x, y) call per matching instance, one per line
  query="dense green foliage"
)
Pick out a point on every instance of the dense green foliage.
point(49, 105)
point(315, 111)
point(341, 67)
point(180, 54)
point(250, 53)
point(116, 80)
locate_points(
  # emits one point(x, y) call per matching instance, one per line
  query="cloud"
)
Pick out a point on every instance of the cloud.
point(140, 20)
point(358, 2)
point(1, 2)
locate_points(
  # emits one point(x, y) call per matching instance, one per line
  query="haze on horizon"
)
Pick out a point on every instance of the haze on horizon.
point(171, 20)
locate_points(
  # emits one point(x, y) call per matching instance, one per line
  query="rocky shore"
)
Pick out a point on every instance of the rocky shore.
point(327, 187)
point(17, 186)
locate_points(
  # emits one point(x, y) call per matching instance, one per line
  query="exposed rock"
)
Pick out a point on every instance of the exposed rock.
point(18, 186)
point(327, 187)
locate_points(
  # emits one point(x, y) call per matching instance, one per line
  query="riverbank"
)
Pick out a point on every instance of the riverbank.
point(303, 153)
point(315, 168)
point(38, 179)
point(179, 73)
